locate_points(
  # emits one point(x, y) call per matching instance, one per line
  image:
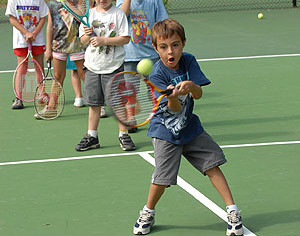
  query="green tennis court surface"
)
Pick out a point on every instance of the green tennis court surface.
point(47, 188)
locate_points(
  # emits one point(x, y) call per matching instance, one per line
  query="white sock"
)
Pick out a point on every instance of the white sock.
point(93, 133)
point(121, 133)
point(147, 209)
point(232, 208)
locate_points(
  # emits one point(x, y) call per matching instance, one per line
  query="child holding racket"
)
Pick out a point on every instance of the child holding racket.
point(104, 57)
point(27, 19)
point(63, 41)
point(141, 15)
point(176, 131)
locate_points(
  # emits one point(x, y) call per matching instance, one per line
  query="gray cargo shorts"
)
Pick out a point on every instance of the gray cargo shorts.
point(95, 86)
point(202, 152)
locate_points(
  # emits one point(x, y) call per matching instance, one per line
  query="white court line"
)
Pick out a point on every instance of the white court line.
point(218, 59)
point(67, 159)
point(260, 144)
point(196, 194)
point(134, 153)
point(249, 57)
point(182, 183)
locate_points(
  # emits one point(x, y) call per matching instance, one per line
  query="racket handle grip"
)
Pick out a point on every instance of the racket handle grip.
point(49, 64)
point(30, 46)
point(168, 92)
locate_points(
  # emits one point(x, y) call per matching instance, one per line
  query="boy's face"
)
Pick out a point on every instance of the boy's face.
point(170, 50)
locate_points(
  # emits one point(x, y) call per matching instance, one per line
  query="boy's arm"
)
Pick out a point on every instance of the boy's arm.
point(39, 26)
point(174, 104)
point(183, 88)
point(126, 7)
point(188, 86)
point(173, 101)
point(49, 37)
point(14, 22)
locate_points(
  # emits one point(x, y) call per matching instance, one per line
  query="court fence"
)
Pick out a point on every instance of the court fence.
point(198, 6)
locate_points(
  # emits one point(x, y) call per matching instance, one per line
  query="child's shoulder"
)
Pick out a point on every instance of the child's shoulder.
point(116, 10)
point(187, 55)
point(54, 3)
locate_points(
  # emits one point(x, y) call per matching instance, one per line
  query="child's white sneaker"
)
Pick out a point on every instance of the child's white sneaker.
point(78, 102)
point(235, 226)
point(103, 112)
point(144, 223)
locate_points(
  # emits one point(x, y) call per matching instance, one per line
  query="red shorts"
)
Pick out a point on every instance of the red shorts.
point(36, 50)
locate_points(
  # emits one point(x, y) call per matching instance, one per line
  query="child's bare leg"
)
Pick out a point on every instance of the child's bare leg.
point(76, 82)
point(155, 192)
point(59, 67)
point(94, 116)
point(219, 182)
point(40, 59)
point(80, 71)
point(122, 127)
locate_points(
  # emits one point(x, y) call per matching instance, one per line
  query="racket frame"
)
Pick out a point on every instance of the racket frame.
point(79, 17)
point(156, 101)
point(37, 66)
point(40, 90)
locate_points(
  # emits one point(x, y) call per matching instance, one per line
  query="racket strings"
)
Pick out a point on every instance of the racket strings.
point(50, 102)
point(80, 7)
point(27, 77)
point(132, 100)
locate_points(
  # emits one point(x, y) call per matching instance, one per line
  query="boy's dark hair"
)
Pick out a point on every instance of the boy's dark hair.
point(167, 28)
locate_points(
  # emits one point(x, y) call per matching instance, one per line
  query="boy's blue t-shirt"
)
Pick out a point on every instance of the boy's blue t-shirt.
point(176, 127)
point(143, 15)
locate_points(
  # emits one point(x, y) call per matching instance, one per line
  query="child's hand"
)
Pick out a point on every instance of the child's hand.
point(175, 92)
point(29, 37)
point(97, 41)
point(88, 30)
point(48, 55)
point(185, 87)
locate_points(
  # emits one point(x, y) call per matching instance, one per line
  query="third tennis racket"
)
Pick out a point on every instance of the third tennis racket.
point(131, 98)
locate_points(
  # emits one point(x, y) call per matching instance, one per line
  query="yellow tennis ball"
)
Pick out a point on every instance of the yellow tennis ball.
point(145, 66)
point(260, 16)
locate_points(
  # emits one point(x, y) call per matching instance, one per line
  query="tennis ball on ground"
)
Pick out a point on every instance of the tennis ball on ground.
point(260, 16)
point(145, 66)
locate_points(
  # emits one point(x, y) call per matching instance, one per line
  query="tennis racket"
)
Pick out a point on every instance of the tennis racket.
point(79, 9)
point(131, 98)
point(27, 76)
point(49, 97)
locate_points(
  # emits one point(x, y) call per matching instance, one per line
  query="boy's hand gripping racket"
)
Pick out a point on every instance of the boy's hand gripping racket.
point(27, 76)
point(49, 97)
point(131, 98)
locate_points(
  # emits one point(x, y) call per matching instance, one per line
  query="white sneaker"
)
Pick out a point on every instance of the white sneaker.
point(144, 223)
point(46, 114)
point(235, 226)
point(103, 113)
point(78, 102)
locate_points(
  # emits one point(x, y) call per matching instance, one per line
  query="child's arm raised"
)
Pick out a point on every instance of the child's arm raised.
point(126, 7)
